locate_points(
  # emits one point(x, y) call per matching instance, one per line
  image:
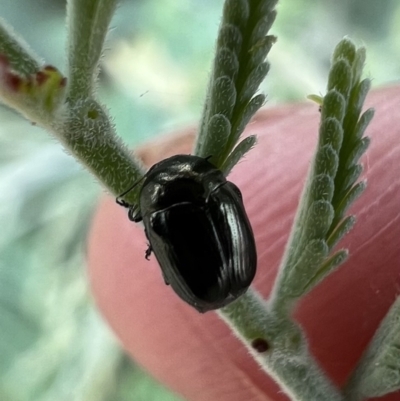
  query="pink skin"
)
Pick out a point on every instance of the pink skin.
point(196, 355)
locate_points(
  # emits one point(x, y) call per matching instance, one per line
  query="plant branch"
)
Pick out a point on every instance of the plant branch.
point(88, 133)
point(36, 91)
point(267, 329)
point(378, 371)
point(239, 68)
point(331, 186)
point(280, 348)
point(18, 53)
point(88, 22)
point(78, 121)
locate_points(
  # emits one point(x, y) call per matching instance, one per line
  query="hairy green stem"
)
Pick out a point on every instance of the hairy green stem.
point(280, 348)
point(20, 57)
point(88, 22)
point(78, 121)
point(88, 133)
point(378, 371)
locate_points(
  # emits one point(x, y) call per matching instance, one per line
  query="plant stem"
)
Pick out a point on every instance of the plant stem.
point(88, 22)
point(285, 356)
point(20, 57)
point(90, 136)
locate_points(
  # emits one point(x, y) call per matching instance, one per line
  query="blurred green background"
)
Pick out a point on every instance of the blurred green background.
point(54, 346)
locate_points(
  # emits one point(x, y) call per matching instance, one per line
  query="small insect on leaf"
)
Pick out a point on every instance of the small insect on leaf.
point(198, 229)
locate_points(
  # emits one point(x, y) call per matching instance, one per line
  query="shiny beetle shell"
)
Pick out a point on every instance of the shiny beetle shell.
point(198, 229)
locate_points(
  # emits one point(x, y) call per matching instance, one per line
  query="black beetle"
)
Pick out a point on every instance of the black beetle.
point(198, 229)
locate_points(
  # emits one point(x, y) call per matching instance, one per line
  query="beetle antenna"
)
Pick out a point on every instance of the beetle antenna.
point(221, 184)
point(119, 199)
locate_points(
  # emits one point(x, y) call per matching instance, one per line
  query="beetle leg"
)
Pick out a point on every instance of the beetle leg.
point(165, 280)
point(148, 252)
point(122, 203)
point(134, 214)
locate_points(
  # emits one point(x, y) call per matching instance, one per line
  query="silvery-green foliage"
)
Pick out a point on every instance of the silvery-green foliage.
point(68, 106)
point(239, 68)
point(378, 371)
point(332, 185)
point(320, 224)
point(84, 127)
